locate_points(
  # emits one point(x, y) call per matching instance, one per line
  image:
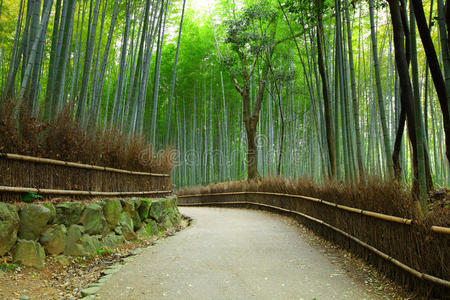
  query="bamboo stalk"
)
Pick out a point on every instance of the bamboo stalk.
point(76, 193)
point(75, 165)
point(396, 262)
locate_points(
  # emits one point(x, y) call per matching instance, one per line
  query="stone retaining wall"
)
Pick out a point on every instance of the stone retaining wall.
point(74, 228)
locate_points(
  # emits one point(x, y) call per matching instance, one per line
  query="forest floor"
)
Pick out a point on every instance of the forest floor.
point(64, 278)
point(242, 254)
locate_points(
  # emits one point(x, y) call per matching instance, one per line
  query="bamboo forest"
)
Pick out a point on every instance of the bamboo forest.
point(327, 90)
point(124, 121)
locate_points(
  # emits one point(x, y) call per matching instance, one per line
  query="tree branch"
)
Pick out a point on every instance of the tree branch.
point(238, 88)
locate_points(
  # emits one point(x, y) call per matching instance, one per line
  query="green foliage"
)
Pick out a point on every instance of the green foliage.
point(7, 266)
point(30, 197)
point(104, 252)
point(247, 34)
point(306, 12)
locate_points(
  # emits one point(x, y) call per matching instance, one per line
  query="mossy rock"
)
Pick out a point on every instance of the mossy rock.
point(174, 217)
point(126, 227)
point(152, 227)
point(142, 233)
point(137, 202)
point(68, 213)
point(144, 208)
point(172, 202)
point(54, 239)
point(128, 206)
point(33, 220)
point(29, 253)
point(90, 244)
point(73, 241)
point(9, 226)
point(93, 220)
point(157, 209)
point(166, 223)
point(113, 240)
point(137, 223)
point(52, 209)
point(112, 209)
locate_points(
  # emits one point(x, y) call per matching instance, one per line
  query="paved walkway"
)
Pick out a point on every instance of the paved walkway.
point(232, 254)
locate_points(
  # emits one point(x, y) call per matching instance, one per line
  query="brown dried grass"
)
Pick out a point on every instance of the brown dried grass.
point(387, 197)
point(63, 139)
point(390, 198)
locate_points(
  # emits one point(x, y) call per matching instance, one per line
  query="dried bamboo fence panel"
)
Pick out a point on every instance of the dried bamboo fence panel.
point(47, 174)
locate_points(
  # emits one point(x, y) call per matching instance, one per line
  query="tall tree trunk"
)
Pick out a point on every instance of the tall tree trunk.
point(122, 71)
point(174, 75)
point(421, 169)
point(31, 59)
point(359, 158)
point(404, 78)
point(82, 101)
point(8, 89)
point(91, 117)
point(62, 64)
point(385, 132)
point(99, 88)
point(326, 96)
point(157, 71)
point(435, 70)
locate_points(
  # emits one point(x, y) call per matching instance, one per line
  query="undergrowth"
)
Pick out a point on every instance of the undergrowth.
point(62, 138)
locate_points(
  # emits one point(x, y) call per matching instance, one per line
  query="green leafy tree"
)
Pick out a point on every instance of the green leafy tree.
point(251, 40)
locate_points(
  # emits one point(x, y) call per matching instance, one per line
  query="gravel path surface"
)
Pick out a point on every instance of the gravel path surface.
point(233, 254)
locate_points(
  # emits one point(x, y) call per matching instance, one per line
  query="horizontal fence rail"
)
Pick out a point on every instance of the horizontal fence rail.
point(75, 165)
point(10, 189)
point(380, 253)
point(376, 215)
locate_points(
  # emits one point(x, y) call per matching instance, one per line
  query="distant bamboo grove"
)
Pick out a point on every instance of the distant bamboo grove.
point(330, 90)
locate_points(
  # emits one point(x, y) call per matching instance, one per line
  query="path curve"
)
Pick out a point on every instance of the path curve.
point(232, 254)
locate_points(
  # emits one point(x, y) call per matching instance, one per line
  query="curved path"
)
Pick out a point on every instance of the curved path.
point(232, 254)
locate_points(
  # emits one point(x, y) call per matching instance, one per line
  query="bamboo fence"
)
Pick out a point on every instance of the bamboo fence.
point(21, 174)
point(444, 230)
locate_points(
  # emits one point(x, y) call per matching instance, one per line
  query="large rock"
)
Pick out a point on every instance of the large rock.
point(174, 217)
point(112, 240)
point(144, 208)
point(29, 253)
point(142, 233)
point(68, 213)
point(91, 244)
point(52, 209)
point(112, 209)
point(126, 227)
point(166, 222)
point(137, 223)
point(74, 246)
point(9, 226)
point(33, 220)
point(157, 209)
point(128, 206)
point(137, 202)
point(152, 227)
point(54, 239)
point(172, 202)
point(93, 220)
